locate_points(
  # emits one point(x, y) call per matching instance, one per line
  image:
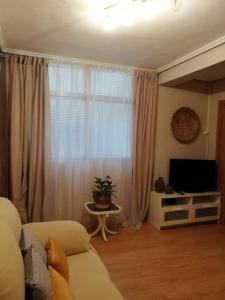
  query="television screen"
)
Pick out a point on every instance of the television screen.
point(193, 175)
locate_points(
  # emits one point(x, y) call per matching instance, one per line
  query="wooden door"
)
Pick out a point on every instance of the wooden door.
point(220, 155)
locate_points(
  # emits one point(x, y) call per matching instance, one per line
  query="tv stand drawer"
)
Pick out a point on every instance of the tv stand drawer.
point(205, 212)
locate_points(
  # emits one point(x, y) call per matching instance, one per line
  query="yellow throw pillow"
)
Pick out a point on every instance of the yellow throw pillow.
point(60, 287)
point(57, 258)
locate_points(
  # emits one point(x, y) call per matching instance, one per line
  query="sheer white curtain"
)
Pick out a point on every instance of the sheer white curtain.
point(90, 135)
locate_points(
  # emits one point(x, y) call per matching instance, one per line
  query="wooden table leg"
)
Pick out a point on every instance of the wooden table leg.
point(98, 227)
point(107, 229)
point(110, 231)
point(102, 227)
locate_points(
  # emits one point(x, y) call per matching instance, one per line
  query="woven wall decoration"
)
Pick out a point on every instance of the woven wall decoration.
point(185, 125)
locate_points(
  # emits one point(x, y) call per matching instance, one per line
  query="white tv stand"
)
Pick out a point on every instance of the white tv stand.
point(168, 210)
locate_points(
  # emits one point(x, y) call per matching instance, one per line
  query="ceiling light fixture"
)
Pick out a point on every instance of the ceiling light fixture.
point(126, 12)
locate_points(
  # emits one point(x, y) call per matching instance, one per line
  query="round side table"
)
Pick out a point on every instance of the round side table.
point(102, 215)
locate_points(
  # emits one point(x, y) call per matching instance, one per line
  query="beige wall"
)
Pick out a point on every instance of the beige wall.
point(167, 146)
point(208, 65)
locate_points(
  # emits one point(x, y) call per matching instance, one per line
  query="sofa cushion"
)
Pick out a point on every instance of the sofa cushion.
point(57, 258)
point(71, 235)
point(28, 239)
point(11, 265)
point(37, 278)
point(10, 215)
point(60, 287)
point(89, 278)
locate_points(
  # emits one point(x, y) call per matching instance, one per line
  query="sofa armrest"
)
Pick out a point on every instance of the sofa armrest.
point(71, 235)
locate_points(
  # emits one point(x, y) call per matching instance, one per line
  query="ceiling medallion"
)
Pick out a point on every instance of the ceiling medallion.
point(126, 12)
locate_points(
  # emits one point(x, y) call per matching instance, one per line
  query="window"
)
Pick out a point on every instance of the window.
point(91, 111)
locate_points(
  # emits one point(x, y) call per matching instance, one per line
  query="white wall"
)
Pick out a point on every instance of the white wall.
point(169, 100)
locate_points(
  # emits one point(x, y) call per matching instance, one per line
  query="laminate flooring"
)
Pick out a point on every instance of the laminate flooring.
point(185, 263)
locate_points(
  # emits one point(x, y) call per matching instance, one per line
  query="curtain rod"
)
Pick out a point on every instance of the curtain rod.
point(51, 57)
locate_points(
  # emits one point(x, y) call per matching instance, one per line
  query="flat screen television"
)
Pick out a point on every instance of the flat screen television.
point(193, 175)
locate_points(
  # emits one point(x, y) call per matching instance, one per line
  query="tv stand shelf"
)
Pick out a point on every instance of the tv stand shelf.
point(168, 210)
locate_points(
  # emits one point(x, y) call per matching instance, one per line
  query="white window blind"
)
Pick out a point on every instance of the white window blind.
point(91, 111)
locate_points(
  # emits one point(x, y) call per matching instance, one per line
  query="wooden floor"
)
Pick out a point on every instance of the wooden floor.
point(178, 263)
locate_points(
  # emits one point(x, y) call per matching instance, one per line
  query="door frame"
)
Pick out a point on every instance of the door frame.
point(218, 141)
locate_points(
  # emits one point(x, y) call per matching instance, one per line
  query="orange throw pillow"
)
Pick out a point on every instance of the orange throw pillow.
point(57, 258)
point(60, 287)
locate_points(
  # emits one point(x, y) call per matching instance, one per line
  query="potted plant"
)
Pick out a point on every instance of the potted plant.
point(103, 191)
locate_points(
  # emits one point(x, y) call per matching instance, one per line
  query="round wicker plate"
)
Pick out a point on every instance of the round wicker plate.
point(185, 125)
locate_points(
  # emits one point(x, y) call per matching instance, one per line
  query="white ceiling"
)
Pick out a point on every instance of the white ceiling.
point(61, 27)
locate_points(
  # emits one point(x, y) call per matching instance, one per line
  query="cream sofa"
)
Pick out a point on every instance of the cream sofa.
point(89, 278)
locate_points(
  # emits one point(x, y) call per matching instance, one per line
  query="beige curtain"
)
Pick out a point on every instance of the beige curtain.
point(145, 105)
point(4, 145)
point(27, 94)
